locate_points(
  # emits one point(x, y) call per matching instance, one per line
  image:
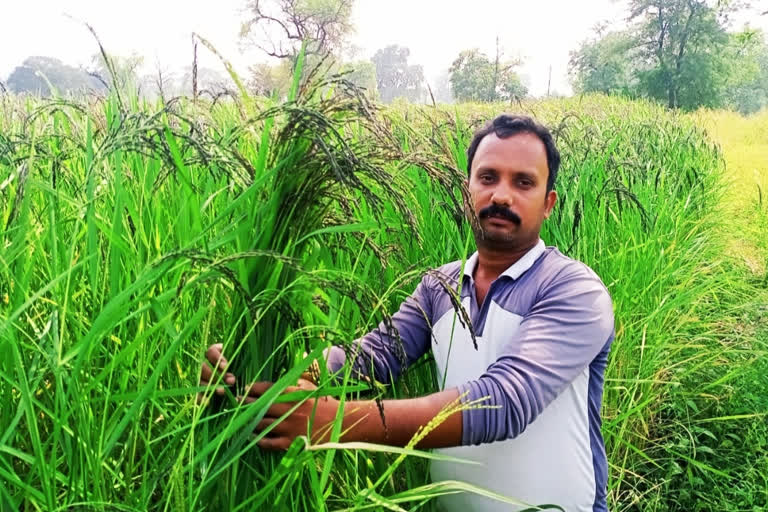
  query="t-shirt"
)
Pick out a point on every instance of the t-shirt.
point(539, 351)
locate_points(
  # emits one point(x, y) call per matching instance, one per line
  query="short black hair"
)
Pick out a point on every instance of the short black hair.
point(507, 125)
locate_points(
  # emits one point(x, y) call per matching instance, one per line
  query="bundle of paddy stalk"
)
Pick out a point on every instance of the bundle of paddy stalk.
point(135, 234)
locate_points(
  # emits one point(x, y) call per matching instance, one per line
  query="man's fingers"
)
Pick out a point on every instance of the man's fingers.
point(215, 357)
point(306, 384)
point(275, 410)
point(217, 361)
point(220, 390)
point(274, 443)
point(266, 422)
point(259, 388)
point(207, 375)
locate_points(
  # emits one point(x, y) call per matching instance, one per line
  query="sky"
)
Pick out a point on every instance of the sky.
point(541, 32)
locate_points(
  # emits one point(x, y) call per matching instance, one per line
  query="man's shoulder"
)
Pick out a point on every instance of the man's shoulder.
point(570, 282)
point(554, 267)
point(551, 265)
point(551, 268)
point(559, 279)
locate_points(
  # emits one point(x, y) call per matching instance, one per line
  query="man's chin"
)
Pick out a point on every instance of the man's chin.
point(494, 238)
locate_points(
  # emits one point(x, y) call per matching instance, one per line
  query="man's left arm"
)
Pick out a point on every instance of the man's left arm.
point(570, 324)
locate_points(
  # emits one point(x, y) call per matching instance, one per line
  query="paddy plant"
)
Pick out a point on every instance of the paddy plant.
point(133, 238)
point(134, 234)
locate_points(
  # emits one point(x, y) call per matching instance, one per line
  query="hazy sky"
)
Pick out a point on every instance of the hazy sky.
point(542, 32)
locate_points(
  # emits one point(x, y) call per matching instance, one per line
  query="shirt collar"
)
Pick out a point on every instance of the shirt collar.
point(517, 269)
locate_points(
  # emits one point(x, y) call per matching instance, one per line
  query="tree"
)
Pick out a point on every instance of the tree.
point(122, 71)
point(395, 77)
point(362, 73)
point(269, 80)
point(681, 42)
point(678, 52)
point(278, 27)
point(275, 79)
point(37, 74)
point(747, 77)
point(605, 64)
point(474, 77)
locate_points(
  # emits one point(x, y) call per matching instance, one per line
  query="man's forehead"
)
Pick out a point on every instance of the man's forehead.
point(523, 146)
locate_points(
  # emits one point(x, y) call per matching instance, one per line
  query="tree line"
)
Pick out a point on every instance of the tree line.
point(279, 28)
point(680, 53)
point(43, 75)
point(388, 75)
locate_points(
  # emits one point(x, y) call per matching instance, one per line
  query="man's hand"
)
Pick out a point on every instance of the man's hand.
point(213, 368)
point(297, 423)
point(361, 419)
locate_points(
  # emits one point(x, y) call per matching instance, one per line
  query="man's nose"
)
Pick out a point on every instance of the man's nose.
point(502, 195)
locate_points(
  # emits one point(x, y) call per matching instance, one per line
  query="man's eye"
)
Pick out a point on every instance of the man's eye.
point(486, 178)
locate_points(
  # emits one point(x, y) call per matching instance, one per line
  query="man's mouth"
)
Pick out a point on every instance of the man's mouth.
point(500, 219)
point(496, 213)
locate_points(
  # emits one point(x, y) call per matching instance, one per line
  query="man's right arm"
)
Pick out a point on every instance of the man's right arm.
point(384, 352)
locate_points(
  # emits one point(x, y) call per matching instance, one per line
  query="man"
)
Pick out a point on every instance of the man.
point(543, 326)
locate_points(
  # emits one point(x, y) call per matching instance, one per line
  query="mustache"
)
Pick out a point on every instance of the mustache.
point(496, 210)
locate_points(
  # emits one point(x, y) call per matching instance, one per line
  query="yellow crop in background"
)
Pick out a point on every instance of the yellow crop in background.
point(744, 142)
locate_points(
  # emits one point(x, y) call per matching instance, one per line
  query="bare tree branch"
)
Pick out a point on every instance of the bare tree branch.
point(294, 24)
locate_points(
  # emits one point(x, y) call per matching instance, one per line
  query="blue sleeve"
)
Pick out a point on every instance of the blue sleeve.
point(384, 352)
point(570, 324)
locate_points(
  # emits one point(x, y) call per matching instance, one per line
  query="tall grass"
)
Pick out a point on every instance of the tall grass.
point(133, 235)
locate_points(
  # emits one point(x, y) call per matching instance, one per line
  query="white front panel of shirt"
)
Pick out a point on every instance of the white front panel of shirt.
point(549, 463)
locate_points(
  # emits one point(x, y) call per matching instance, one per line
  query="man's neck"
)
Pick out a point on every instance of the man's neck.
point(492, 262)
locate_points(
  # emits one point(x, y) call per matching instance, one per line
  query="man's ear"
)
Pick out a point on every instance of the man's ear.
point(550, 200)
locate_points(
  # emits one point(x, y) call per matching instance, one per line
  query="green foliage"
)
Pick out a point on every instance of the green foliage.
point(679, 53)
point(746, 75)
point(135, 234)
point(395, 78)
point(474, 77)
point(681, 42)
point(362, 73)
point(606, 64)
point(275, 79)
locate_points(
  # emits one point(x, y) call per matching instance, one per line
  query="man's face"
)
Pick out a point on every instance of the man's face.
point(507, 187)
